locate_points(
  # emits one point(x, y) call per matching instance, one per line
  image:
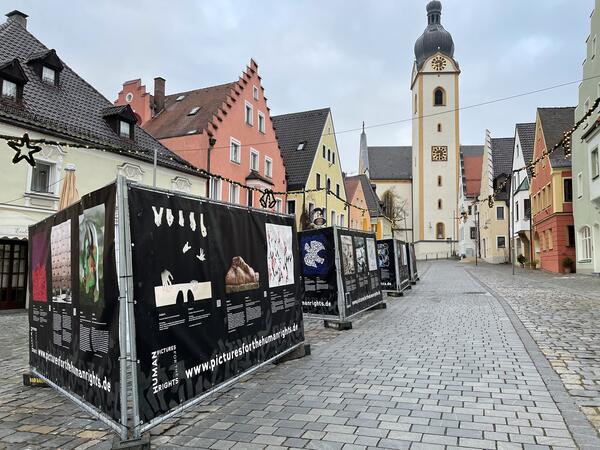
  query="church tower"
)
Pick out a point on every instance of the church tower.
point(436, 143)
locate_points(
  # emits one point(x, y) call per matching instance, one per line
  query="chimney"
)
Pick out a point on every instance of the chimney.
point(159, 94)
point(18, 17)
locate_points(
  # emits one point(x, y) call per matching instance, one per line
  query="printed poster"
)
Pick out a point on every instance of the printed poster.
point(91, 252)
point(347, 251)
point(280, 258)
point(60, 249)
point(39, 261)
point(371, 254)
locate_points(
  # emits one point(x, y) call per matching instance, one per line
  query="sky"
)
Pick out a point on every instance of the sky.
point(354, 56)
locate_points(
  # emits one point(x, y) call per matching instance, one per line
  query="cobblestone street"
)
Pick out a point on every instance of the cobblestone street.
point(448, 365)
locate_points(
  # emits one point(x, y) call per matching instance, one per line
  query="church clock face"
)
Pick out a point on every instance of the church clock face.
point(439, 153)
point(438, 63)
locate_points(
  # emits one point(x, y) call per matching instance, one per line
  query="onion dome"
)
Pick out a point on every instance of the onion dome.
point(435, 38)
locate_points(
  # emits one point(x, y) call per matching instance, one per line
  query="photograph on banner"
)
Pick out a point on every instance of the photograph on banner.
point(361, 254)
point(91, 251)
point(60, 250)
point(347, 250)
point(387, 264)
point(217, 294)
point(371, 254)
point(39, 261)
point(317, 254)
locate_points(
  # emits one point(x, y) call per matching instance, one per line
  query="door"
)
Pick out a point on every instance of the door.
point(13, 274)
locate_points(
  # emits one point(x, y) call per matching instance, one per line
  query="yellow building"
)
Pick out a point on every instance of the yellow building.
point(310, 154)
point(494, 216)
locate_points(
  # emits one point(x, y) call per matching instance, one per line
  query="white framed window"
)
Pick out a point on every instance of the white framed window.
point(342, 220)
point(215, 189)
point(234, 193)
point(333, 218)
point(500, 241)
point(268, 167)
point(585, 242)
point(328, 154)
point(332, 158)
point(48, 75)
point(311, 206)
point(278, 204)
point(254, 160)
point(318, 179)
point(249, 116)
point(235, 150)
point(255, 92)
point(41, 177)
point(125, 129)
point(9, 89)
point(261, 122)
point(500, 212)
point(595, 167)
point(291, 206)
point(579, 185)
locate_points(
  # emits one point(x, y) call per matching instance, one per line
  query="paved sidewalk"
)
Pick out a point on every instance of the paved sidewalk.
point(562, 314)
point(442, 367)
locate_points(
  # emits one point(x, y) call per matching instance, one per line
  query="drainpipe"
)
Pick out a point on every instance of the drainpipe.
point(211, 143)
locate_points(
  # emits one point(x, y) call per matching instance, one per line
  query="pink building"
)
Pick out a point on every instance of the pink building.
point(225, 129)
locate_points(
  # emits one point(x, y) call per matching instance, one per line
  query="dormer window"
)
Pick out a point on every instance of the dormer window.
point(125, 129)
point(9, 90)
point(48, 75)
point(194, 110)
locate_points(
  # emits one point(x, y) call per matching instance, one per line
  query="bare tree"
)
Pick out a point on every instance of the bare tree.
point(395, 208)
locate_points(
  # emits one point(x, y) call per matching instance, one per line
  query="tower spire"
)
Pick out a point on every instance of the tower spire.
point(363, 161)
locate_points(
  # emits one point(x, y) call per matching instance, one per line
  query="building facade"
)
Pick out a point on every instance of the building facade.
point(493, 219)
point(358, 219)
point(586, 165)
point(46, 99)
point(552, 191)
point(310, 152)
point(225, 129)
point(520, 201)
point(469, 183)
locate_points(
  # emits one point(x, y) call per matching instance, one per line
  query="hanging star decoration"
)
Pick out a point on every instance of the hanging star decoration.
point(267, 199)
point(18, 144)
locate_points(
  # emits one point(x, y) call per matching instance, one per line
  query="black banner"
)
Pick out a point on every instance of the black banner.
point(74, 311)
point(393, 264)
point(217, 292)
point(319, 274)
point(412, 262)
point(360, 273)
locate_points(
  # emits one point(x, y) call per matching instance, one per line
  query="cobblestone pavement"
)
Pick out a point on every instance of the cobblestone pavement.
point(562, 314)
point(443, 367)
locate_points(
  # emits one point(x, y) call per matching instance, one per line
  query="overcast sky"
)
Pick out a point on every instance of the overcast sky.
point(354, 56)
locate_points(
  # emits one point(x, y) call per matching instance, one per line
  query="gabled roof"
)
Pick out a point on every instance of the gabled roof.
point(555, 121)
point(175, 119)
point(390, 163)
point(526, 133)
point(371, 197)
point(471, 150)
point(71, 110)
point(472, 174)
point(502, 153)
point(292, 130)
point(524, 186)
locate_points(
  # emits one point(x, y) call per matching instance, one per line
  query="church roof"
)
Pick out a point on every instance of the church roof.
point(390, 163)
point(555, 121)
point(294, 129)
point(435, 38)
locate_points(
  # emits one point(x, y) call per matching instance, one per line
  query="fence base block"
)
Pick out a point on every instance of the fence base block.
point(338, 325)
point(33, 381)
point(381, 305)
point(395, 294)
point(143, 443)
point(300, 352)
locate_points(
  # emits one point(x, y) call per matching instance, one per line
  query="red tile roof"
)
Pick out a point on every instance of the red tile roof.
point(473, 174)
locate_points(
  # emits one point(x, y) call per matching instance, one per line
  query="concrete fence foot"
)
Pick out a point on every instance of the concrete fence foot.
point(300, 352)
point(143, 443)
point(338, 325)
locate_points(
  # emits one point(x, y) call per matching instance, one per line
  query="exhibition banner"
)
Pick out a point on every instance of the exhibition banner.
point(319, 273)
point(386, 259)
point(216, 291)
point(74, 310)
point(360, 273)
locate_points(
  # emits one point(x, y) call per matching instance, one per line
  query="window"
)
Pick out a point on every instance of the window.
point(48, 75)
point(568, 189)
point(124, 129)
point(328, 154)
point(301, 146)
point(415, 108)
point(13, 274)
point(250, 197)
point(342, 220)
point(255, 92)
point(517, 210)
point(570, 236)
point(439, 180)
point(249, 114)
point(215, 189)
point(440, 232)
point(291, 206)
point(470, 209)
point(500, 241)
point(438, 97)
point(324, 152)
point(278, 204)
point(333, 218)
point(332, 158)
point(517, 149)
point(254, 158)
point(526, 209)
point(234, 151)
point(500, 212)
point(179, 98)
point(261, 122)
point(550, 240)
point(40, 177)
point(579, 185)
point(318, 181)
point(439, 127)
point(439, 203)
point(473, 232)
point(595, 164)
point(9, 89)
point(268, 167)
point(337, 190)
point(328, 184)
point(585, 237)
point(234, 193)
point(311, 207)
point(194, 110)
